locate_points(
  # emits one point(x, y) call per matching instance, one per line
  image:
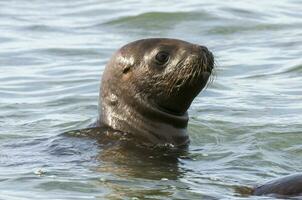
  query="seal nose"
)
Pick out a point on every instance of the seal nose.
point(204, 49)
point(207, 55)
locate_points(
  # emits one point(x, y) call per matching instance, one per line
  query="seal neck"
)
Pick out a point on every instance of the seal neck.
point(144, 120)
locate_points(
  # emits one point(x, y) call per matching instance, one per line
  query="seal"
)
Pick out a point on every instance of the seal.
point(148, 85)
point(282, 187)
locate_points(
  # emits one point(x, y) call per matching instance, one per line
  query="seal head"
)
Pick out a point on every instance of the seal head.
point(148, 86)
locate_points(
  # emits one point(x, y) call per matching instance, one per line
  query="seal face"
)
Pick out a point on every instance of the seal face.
point(148, 86)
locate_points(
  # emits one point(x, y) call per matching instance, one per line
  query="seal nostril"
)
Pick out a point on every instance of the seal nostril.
point(204, 49)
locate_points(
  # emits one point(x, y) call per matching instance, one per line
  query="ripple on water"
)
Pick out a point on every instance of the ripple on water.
point(150, 20)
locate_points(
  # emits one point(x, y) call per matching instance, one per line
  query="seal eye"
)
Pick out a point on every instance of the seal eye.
point(162, 57)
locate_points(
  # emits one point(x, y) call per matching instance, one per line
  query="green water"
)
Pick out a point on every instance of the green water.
point(245, 128)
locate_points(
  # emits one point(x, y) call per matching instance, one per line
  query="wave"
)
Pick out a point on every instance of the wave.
point(158, 19)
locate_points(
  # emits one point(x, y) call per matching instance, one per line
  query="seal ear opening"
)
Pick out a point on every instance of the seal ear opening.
point(126, 69)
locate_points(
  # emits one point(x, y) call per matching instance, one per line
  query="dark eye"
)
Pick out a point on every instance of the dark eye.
point(162, 57)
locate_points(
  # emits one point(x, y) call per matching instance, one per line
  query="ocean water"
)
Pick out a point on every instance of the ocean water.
point(245, 128)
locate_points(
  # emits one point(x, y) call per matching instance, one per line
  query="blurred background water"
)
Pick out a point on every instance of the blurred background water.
point(245, 128)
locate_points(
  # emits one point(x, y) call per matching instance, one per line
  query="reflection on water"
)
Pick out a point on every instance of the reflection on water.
point(245, 128)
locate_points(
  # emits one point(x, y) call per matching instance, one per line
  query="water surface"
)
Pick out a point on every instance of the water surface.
point(245, 128)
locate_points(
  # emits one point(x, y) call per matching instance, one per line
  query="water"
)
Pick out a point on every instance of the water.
point(245, 128)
